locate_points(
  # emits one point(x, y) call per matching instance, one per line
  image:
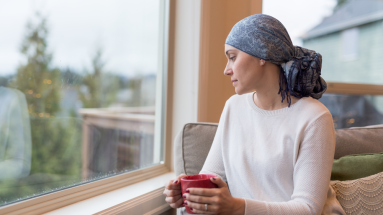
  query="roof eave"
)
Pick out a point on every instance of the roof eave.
point(344, 25)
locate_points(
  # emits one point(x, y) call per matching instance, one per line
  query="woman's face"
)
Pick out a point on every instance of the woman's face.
point(246, 72)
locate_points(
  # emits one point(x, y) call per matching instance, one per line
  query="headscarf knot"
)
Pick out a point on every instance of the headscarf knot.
point(303, 74)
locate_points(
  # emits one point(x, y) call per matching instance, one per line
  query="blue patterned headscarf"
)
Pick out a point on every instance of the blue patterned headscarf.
point(264, 37)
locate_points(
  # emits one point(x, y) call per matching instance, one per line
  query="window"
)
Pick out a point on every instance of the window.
point(82, 93)
point(348, 35)
point(350, 39)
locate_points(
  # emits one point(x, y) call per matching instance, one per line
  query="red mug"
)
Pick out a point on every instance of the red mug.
point(196, 181)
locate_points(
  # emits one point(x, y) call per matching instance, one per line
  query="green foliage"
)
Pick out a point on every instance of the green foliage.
point(99, 88)
point(56, 142)
point(135, 87)
point(51, 137)
point(339, 4)
point(39, 82)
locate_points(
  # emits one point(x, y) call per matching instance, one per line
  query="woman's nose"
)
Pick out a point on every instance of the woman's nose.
point(228, 70)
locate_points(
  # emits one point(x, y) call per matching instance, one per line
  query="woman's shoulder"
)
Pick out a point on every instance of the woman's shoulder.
point(311, 108)
point(312, 104)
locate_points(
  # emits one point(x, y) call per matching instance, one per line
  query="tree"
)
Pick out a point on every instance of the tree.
point(54, 148)
point(339, 3)
point(37, 79)
point(135, 87)
point(99, 88)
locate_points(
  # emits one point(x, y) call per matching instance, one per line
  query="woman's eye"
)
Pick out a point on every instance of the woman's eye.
point(232, 58)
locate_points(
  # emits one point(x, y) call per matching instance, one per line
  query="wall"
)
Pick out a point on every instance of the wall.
point(197, 88)
point(217, 19)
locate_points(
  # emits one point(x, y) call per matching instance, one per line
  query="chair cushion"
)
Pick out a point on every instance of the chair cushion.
point(360, 140)
point(192, 146)
point(360, 196)
point(352, 167)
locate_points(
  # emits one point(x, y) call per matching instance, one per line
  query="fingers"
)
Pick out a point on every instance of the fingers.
point(173, 185)
point(200, 208)
point(170, 193)
point(173, 202)
point(173, 192)
point(199, 199)
point(173, 199)
point(204, 191)
point(181, 176)
point(218, 181)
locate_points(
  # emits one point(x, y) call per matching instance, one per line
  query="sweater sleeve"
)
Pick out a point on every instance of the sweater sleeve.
point(312, 171)
point(214, 161)
point(15, 162)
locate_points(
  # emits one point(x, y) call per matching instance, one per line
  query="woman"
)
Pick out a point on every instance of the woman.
point(275, 142)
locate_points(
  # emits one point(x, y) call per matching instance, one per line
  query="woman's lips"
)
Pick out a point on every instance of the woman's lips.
point(234, 81)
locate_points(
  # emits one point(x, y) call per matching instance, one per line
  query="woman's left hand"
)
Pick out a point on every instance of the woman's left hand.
point(218, 200)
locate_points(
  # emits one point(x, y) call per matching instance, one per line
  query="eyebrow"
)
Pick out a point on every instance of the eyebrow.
point(226, 53)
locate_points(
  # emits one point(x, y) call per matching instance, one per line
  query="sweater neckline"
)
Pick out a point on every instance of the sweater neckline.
point(270, 112)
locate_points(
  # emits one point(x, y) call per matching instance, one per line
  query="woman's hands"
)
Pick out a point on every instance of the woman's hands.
point(218, 200)
point(173, 192)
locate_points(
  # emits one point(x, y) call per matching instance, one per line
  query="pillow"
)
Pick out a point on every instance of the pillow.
point(352, 167)
point(360, 196)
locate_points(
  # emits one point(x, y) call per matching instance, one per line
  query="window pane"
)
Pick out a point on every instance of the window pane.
point(350, 42)
point(78, 92)
point(354, 111)
point(347, 33)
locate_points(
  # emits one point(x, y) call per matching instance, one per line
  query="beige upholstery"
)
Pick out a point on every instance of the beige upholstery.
point(193, 143)
point(358, 140)
point(191, 147)
point(360, 196)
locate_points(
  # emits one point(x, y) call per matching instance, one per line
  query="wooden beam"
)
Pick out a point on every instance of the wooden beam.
point(354, 89)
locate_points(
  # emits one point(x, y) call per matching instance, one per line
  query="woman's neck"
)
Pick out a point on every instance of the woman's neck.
point(266, 96)
point(267, 102)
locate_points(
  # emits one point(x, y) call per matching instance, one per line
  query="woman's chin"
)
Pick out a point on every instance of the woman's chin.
point(241, 91)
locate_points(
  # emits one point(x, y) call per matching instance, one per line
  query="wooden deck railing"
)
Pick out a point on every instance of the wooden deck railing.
point(116, 140)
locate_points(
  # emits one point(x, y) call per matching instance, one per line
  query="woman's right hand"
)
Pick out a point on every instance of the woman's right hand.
point(173, 192)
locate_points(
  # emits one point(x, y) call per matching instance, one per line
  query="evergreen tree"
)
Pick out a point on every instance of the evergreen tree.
point(99, 88)
point(135, 87)
point(37, 79)
point(55, 141)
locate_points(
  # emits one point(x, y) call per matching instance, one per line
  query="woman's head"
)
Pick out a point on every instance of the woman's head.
point(262, 36)
point(248, 73)
point(265, 38)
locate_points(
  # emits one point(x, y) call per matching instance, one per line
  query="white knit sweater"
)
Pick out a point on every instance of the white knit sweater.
point(279, 161)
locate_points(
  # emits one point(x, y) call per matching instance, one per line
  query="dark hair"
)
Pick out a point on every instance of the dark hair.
point(303, 76)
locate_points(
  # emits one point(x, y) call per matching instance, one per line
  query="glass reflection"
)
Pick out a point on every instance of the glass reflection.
point(15, 135)
point(79, 112)
point(354, 110)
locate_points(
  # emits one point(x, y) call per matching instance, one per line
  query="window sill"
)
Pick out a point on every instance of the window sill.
point(130, 199)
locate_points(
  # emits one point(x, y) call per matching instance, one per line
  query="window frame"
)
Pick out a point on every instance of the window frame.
point(354, 89)
point(54, 200)
point(350, 42)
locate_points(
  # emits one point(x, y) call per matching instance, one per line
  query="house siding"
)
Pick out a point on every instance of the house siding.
point(367, 68)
